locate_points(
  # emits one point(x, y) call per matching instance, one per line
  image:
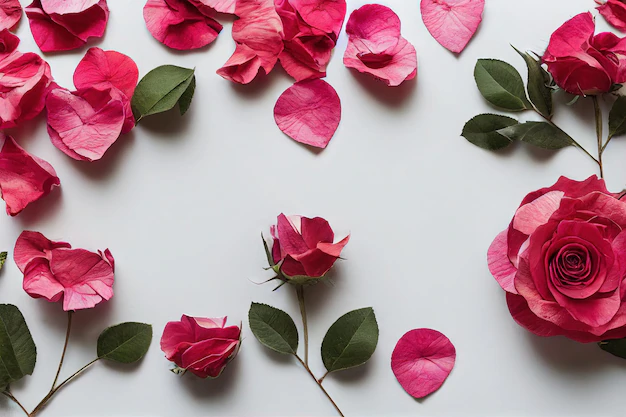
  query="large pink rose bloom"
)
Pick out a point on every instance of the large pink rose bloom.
point(56, 272)
point(584, 64)
point(303, 248)
point(200, 345)
point(562, 262)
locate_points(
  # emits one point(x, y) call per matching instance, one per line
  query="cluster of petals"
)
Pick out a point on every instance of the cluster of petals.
point(376, 46)
point(185, 24)
point(62, 25)
point(25, 79)
point(299, 33)
point(86, 122)
point(10, 13)
point(614, 11)
point(24, 178)
point(56, 272)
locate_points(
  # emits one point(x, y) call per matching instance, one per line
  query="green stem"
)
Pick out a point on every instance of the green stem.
point(598, 114)
point(53, 391)
point(300, 292)
point(67, 339)
point(10, 396)
point(319, 384)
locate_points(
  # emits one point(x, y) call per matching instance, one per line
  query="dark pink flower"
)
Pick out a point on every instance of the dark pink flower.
point(61, 25)
point(258, 34)
point(303, 248)
point(614, 11)
point(376, 47)
point(200, 345)
point(24, 178)
point(584, 64)
point(562, 262)
point(10, 13)
point(55, 271)
point(183, 24)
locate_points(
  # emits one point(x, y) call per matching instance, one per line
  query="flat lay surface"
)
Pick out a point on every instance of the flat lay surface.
point(181, 203)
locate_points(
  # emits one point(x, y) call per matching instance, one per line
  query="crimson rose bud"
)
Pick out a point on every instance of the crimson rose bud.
point(200, 345)
point(303, 248)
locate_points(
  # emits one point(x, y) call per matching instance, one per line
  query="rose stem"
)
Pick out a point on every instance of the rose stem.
point(319, 384)
point(300, 292)
point(323, 377)
point(67, 339)
point(598, 112)
point(61, 385)
point(8, 394)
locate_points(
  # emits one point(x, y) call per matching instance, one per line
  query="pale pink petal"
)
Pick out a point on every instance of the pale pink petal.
point(24, 178)
point(67, 6)
point(33, 245)
point(536, 213)
point(10, 13)
point(211, 323)
point(258, 34)
point(178, 24)
point(452, 22)
point(105, 69)
point(500, 265)
point(39, 282)
point(84, 124)
point(326, 15)
point(309, 112)
point(422, 360)
point(221, 6)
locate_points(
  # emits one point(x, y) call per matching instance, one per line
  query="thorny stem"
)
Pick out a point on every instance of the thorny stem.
point(319, 384)
point(53, 391)
point(67, 339)
point(10, 396)
point(300, 292)
point(598, 113)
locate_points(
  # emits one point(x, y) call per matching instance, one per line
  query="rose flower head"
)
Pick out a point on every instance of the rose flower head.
point(562, 262)
point(201, 346)
point(303, 250)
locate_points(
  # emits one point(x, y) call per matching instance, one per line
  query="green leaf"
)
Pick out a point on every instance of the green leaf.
point(541, 134)
point(483, 129)
point(617, 118)
point(539, 92)
point(125, 343)
point(185, 100)
point(615, 347)
point(161, 89)
point(273, 328)
point(18, 353)
point(3, 259)
point(501, 85)
point(351, 340)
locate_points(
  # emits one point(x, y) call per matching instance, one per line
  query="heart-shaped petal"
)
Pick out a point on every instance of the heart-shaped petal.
point(452, 22)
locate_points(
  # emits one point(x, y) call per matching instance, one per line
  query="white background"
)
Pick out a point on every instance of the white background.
point(181, 203)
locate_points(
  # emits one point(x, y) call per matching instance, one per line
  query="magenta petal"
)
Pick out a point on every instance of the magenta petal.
point(33, 245)
point(309, 112)
point(422, 360)
point(105, 69)
point(10, 13)
point(24, 178)
point(452, 22)
point(326, 15)
point(614, 11)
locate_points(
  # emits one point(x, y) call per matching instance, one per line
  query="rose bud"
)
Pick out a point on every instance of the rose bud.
point(303, 250)
point(584, 64)
point(201, 346)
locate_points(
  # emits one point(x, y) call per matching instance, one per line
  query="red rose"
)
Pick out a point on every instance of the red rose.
point(201, 346)
point(584, 64)
point(303, 248)
point(562, 262)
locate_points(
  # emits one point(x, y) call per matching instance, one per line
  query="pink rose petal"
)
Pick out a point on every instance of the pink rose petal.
point(84, 124)
point(8, 42)
point(614, 11)
point(325, 15)
point(24, 178)
point(105, 69)
point(34, 245)
point(10, 13)
point(309, 112)
point(422, 360)
point(259, 37)
point(179, 24)
point(376, 47)
point(221, 6)
point(452, 22)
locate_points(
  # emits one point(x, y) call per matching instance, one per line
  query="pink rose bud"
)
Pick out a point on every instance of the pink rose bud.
point(201, 346)
point(303, 249)
point(584, 64)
